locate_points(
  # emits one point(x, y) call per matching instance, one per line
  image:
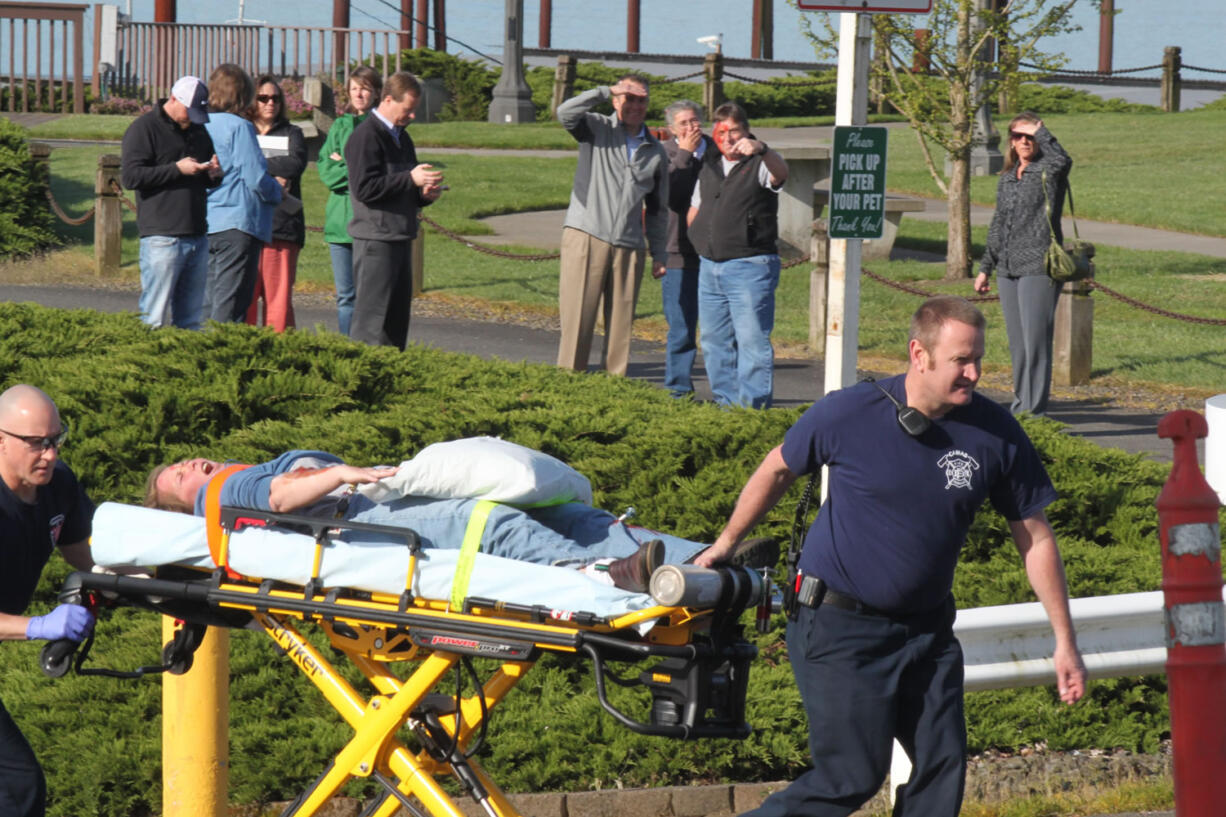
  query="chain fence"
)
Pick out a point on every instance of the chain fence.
point(666, 81)
point(493, 251)
point(124, 200)
point(1077, 73)
point(1070, 72)
point(64, 217)
point(783, 82)
point(1093, 284)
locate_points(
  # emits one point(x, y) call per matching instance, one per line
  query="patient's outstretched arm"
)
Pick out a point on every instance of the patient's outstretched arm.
point(305, 486)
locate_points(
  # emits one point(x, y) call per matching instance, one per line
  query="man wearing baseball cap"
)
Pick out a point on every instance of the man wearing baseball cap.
point(168, 159)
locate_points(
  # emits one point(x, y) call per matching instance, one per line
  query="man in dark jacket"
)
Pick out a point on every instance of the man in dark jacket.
point(387, 187)
point(168, 160)
point(734, 225)
point(687, 151)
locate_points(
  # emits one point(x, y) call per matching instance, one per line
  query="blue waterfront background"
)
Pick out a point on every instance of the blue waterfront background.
point(1142, 27)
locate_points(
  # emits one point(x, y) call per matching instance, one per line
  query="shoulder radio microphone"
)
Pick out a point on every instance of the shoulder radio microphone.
point(912, 420)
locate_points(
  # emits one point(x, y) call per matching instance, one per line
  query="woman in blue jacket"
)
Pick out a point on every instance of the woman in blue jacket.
point(241, 207)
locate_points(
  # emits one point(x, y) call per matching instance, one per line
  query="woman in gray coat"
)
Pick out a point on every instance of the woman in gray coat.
point(1017, 243)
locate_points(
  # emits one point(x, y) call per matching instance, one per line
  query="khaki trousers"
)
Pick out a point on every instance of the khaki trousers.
point(592, 270)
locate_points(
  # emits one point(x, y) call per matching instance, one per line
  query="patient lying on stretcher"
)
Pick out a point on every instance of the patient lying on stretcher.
point(320, 484)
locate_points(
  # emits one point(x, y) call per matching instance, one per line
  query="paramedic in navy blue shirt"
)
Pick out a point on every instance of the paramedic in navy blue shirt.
point(41, 507)
point(875, 657)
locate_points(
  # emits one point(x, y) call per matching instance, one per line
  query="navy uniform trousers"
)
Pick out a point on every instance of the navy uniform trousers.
point(23, 790)
point(866, 680)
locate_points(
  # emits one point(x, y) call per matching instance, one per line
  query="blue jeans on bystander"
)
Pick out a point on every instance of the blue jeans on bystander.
point(679, 294)
point(173, 271)
point(736, 309)
point(342, 274)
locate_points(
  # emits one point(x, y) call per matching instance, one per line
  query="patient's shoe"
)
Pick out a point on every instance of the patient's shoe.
point(633, 572)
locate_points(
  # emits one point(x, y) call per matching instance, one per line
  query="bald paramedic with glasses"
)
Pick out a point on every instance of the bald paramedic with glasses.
point(42, 506)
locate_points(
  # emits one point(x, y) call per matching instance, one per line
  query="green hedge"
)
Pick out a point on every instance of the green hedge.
point(135, 398)
point(26, 222)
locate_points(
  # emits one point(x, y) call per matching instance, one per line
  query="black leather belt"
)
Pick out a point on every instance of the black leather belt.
point(845, 602)
point(812, 592)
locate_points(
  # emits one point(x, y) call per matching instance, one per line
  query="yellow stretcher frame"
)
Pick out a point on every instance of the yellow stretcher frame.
point(698, 689)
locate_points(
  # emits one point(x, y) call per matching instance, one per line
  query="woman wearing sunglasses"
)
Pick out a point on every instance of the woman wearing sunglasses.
point(287, 159)
point(365, 91)
point(1017, 243)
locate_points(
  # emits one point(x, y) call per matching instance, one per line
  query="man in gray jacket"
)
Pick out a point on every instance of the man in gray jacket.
point(622, 170)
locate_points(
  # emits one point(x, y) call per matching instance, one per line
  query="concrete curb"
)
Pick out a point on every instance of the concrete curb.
point(991, 780)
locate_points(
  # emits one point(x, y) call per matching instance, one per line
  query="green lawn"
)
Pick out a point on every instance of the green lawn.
point(1130, 346)
point(1149, 169)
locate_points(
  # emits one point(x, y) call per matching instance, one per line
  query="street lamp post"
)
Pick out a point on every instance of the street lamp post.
point(512, 100)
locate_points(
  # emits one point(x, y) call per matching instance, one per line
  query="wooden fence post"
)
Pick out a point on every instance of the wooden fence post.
point(1073, 335)
point(1171, 63)
point(713, 85)
point(819, 256)
point(563, 81)
point(108, 217)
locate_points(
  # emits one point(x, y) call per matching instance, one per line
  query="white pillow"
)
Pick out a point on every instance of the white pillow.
point(484, 468)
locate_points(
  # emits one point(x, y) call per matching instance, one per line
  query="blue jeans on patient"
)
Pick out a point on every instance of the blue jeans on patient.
point(342, 275)
point(173, 272)
point(571, 534)
point(736, 309)
point(679, 295)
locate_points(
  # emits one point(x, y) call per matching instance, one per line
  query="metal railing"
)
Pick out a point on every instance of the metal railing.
point(149, 57)
point(27, 37)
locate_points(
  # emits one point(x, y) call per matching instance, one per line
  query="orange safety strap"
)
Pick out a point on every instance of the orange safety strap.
point(219, 540)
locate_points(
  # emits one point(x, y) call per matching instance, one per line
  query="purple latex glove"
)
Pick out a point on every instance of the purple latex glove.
point(71, 621)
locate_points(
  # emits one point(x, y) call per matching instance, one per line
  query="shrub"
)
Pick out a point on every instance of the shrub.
point(26, 221)
point(788, 96)
point(137, 397)
point(295, 106)
point(1048, 99)
point(121, 105)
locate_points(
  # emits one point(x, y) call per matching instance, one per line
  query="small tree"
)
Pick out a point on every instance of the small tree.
point(973, 49)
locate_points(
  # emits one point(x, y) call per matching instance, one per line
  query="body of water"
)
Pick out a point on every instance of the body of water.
point(1142, 27)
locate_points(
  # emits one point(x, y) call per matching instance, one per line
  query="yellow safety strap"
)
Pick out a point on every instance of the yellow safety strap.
point(219, 540)
point(468, 552)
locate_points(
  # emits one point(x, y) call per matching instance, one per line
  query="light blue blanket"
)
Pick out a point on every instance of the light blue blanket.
point(131, 536)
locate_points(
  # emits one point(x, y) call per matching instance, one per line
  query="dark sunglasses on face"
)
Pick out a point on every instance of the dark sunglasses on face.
point(1015, 135)
point(40, 443)
point(266, 98)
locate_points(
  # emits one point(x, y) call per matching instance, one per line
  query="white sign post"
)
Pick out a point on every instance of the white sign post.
point(851, 108)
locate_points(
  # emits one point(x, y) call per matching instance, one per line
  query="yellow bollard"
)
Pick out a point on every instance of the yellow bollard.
point(195, 730)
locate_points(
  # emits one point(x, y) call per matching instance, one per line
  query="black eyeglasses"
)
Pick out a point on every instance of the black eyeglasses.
point(40, 443)
point(266, 97)
point(1016, 135)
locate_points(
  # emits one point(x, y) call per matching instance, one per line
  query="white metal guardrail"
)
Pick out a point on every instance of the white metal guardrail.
point(1011, 645)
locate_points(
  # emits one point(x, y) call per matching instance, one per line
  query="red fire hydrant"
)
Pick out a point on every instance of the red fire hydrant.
point(1195, 627)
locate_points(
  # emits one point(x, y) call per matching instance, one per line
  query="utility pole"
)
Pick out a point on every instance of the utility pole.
point(1106, 35)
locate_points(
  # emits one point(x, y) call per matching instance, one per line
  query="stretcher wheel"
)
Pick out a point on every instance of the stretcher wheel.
point(56, 657)
point(177, 654)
